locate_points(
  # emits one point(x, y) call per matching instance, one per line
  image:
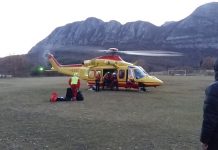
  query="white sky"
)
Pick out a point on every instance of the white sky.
point(26, 22)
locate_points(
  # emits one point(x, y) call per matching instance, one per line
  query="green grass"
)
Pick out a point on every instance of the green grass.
point(164, 118)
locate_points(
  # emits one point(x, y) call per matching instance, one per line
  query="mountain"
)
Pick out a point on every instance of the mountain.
point(197, 31)
point(196, 36)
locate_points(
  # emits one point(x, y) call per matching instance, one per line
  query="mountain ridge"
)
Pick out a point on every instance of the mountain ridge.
point(196, 36)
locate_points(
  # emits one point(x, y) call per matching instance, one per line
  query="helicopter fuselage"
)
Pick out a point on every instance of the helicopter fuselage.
point(128, 74)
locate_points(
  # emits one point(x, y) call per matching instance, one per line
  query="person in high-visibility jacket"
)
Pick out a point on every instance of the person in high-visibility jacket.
point(97, 81)
point(74, 83)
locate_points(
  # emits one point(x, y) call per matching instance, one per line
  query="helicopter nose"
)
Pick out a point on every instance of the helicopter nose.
point(158, 81)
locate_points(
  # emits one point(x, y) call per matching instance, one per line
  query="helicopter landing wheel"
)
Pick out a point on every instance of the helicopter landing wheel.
point(142, 87)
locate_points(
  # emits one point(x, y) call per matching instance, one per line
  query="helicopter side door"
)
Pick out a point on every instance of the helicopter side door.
point(92, 73)
point(121, 76)
point(131, 81)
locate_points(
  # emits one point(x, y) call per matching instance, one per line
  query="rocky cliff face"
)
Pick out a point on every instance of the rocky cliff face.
point(94, 31)
point(197, 31)
point(195, 36)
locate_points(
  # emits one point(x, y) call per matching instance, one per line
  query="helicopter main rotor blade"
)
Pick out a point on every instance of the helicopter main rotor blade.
point(156, 53)
point(103, 50)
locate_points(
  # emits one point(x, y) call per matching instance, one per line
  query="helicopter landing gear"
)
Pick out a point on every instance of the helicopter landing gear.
point(142, 87)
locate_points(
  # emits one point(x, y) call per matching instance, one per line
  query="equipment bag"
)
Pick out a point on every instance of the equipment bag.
point(53, 96)
point(68, 94)
point(79, 96)
point(61, 99)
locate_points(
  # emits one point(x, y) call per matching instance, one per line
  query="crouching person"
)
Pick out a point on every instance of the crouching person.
point(74, 83)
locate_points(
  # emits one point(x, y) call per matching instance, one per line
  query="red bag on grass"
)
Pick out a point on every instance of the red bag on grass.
point(53, 96)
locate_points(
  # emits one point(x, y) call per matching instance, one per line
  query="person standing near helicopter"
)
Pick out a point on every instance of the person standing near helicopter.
point(114, 81)
point(97, 81)
point(107, 80)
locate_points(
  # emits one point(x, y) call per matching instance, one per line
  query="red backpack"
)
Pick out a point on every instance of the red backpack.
point(53, 97)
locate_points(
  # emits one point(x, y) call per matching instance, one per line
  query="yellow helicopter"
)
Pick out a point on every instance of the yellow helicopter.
point(128, 74)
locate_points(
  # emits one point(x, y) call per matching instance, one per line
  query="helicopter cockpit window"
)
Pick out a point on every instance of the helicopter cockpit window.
point(143, 70)
point(91, 74)
point(121, 74)
point(139, 73)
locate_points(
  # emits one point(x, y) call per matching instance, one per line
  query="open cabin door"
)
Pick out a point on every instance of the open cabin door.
point(109, 70)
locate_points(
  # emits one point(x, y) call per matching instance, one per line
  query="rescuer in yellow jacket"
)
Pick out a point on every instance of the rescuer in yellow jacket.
point(74, 83)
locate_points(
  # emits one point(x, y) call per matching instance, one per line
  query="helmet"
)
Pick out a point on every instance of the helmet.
point(74, 74)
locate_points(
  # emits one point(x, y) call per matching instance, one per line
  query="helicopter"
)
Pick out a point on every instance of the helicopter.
point(128, 74)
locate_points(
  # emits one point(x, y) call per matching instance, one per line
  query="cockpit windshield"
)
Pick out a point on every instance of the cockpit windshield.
point(142, 70)
point(139, 72)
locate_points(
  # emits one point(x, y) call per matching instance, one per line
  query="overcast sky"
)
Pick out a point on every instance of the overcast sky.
point(26, 22)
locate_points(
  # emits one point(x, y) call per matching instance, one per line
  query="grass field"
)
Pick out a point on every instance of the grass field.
point(164, 118)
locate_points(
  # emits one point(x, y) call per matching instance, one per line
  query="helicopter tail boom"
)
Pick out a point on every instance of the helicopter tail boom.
point(65, 69)
point(54, 62)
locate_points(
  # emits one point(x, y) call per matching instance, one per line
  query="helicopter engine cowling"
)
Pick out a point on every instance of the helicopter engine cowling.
point(87, 62)
point(92, 62)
